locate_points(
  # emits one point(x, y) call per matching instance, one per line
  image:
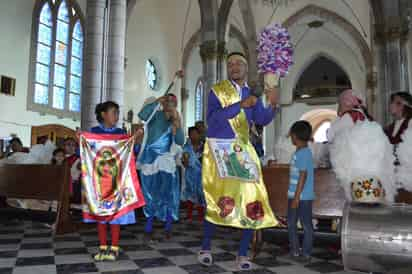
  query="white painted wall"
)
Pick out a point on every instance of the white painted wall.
point(155, 30)
point(193, 73)
point(15, 27)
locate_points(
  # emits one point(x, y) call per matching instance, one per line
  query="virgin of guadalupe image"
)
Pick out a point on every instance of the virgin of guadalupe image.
point(107, 175)
point(236, 163)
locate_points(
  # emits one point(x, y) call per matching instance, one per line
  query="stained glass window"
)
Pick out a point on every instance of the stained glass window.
point(199, 101)
point(151, 74)
point(57, 66)
point(76, 68)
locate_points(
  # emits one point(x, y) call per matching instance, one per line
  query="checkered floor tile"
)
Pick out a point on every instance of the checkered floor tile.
point(29, 247)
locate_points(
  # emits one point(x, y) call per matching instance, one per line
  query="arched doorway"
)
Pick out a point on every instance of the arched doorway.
point(321, 82)
point(320, 120)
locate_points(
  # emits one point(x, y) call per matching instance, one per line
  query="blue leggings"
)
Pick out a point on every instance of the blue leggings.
point(149, 224)
point(209, 231)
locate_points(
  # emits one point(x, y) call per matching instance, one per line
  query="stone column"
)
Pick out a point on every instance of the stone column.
point(209, 44)
point(371, 94)
point(93, 61)
point(116, 54)
point(381, 90)
point(209, 54)
point(221, 73)
point(388, 56)
point(251, 38)
point(409, 57)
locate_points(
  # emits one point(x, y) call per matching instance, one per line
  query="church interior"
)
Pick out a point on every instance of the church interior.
point(60, 58)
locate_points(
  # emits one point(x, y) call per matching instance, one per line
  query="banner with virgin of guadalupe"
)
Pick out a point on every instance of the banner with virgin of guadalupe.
point(110, 185)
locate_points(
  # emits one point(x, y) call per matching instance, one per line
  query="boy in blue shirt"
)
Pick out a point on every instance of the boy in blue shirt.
point(301, 193)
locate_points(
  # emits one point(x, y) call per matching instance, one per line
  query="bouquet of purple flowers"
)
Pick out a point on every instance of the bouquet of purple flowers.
point(275, 54)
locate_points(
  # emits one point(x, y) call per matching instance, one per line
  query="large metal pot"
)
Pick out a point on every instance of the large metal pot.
point(377, 238)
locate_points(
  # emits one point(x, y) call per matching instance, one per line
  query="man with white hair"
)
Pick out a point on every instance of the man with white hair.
point(351, 109)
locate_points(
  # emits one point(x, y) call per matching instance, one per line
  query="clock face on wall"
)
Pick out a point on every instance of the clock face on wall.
point(151, 74)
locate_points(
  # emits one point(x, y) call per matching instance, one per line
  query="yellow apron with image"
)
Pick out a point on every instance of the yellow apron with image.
point(232, 176)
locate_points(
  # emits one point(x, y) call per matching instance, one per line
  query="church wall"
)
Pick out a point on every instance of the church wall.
point(360, 8)
point(15, 27)
point(193, 73)
point(155, 31)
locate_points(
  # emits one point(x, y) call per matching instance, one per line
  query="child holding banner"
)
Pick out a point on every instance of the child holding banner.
point(110, 187)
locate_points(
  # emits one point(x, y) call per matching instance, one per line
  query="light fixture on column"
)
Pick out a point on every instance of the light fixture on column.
point(315, 24)
point(275, 3)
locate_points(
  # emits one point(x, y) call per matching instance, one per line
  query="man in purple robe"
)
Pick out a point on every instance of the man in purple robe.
point(219, 127)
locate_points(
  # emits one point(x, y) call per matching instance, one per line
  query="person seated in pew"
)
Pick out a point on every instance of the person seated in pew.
point(16, 145)
point(59, 157)
point(38, 154)
point(71, 149)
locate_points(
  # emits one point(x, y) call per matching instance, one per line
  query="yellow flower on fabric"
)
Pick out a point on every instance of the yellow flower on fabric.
point(367, 184)
point(359, 193)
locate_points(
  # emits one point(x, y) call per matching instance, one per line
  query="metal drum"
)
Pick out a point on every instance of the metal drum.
point(377, 238)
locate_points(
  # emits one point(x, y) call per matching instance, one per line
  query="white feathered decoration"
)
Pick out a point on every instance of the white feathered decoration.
point(404, 152)
point(362, 151)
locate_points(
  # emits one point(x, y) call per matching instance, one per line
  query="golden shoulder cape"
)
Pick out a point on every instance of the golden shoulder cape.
point(233, 201)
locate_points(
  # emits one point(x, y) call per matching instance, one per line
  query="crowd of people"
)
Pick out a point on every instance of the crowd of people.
point(214, 162)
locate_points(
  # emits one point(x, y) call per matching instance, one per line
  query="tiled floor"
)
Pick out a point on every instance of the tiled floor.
point(27, 247)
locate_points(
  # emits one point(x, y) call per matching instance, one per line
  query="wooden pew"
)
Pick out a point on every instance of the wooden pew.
point(328, 204)
point(55, 133)
point(43, 182)
point(330, 197)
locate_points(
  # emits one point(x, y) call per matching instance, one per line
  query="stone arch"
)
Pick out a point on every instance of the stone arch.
point(312, 59)
point(237, 34)
point(129, 9)
point(359, 79)
point(189, 47)
point(295, 77)
point(223, 16)
point(194, 41)
point(338, 20)
point(251, 39)
point(317, 117)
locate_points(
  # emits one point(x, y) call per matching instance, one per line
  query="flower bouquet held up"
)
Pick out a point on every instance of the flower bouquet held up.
point(275, 54)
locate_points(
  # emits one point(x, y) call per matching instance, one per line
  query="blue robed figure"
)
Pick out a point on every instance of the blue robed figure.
point(157, 162)
point(192, 160)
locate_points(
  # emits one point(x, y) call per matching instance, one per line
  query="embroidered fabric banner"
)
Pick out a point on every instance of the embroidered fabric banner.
point(110, 185)
point(233, 160)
